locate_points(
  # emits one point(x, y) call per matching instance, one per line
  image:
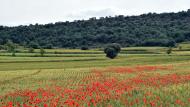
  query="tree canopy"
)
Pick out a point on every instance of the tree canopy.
point(150, 29)
point(112, 50)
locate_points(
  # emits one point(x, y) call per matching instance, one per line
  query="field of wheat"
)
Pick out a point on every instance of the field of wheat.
point(144, 77)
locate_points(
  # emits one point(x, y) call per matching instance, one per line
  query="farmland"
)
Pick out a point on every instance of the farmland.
point(138, 77)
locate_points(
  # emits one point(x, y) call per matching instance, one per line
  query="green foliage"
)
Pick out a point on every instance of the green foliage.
point(169, 51)
point(115, 46)
point(10, 46)
point(151, 29)
point(111, 52)
point(34, 45)
point(48, 46)
point(42, 51)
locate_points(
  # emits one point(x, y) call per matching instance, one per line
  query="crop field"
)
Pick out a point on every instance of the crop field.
point(138, 77)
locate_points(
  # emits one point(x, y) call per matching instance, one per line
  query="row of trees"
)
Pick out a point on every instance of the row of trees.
point(151, 29)
point(13, 48)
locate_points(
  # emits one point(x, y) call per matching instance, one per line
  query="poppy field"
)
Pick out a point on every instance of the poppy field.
point(111, 86)
point(165, 83)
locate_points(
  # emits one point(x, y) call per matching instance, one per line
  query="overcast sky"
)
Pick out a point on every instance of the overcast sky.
point(24, 12)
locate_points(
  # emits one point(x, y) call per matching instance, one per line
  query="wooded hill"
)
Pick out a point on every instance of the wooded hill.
point(150, 29)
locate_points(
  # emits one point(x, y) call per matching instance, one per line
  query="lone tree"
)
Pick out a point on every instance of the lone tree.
point(169, 51)
point(111, 53)
point(112, 50)
point(11, 47)
point(42, 51)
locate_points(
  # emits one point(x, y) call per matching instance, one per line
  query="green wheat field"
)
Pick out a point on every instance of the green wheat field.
point(138, 77)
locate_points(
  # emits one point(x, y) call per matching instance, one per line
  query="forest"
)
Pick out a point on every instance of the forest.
point(151, 29)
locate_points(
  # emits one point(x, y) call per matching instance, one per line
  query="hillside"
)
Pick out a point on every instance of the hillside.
point(150, 29)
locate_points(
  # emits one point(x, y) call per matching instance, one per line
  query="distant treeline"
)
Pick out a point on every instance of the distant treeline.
point(150, 29)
